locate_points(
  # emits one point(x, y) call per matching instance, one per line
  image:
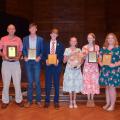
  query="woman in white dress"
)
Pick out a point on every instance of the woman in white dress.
point(73, 80)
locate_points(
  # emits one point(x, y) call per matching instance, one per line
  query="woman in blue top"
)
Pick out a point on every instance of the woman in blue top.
point(109, 74)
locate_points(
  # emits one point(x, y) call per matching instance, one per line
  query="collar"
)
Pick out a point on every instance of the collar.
point(53, 41)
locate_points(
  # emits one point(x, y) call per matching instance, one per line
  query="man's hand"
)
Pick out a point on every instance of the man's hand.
point(5, 57)
point(16, 58)
point(38, 59)
point(47, 63)
point(57, 62)
point(26, 59)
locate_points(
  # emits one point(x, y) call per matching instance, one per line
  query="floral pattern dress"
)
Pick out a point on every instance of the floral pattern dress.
point(73, 80)
point(90, 73)
point(110, 76)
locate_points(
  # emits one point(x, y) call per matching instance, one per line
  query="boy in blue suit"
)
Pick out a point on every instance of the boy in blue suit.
point(33, 65)
point(53, 71)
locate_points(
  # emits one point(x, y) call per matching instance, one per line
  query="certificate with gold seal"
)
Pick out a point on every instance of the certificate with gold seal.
point(31, 54)
point(107, 58)
point(11, 52)
point(92, 57)
point(52, 59)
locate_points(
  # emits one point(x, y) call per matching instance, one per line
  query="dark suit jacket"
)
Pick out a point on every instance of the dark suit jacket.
point(59, 51)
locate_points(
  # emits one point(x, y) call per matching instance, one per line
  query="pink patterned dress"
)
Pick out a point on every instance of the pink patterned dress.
point(90, 73)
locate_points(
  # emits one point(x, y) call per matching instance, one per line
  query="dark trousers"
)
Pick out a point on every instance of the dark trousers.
point(33, 73)
point(52, 73)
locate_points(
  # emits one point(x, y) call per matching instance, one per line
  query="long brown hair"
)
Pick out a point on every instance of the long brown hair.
point(106, 44)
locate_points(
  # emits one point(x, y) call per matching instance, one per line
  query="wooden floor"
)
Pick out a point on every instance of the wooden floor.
point(13, 112)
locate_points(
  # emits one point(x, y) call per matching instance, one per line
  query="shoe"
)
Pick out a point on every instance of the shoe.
point(92, 103)
point(4, 105)
point(105, 107)
point(88, 103)
point(21, 104)
point(38, 104)
point(56, 105)
point(111, 108)
point(71, 104)
point(46, 105)
point(28, 104)
point(74, 104)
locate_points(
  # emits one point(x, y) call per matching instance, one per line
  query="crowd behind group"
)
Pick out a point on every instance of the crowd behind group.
point(87, 82)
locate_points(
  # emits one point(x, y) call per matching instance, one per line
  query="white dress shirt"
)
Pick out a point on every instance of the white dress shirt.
point(32, 42)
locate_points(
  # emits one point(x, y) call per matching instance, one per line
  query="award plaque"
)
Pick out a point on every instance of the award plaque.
point(32, 54)
point(107, 58)
point(52, 59)
point(92, 57)
point(11, 52)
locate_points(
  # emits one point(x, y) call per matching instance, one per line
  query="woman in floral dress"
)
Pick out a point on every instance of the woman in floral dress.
point(73, 80)
point(110, 74)
point(90, 71)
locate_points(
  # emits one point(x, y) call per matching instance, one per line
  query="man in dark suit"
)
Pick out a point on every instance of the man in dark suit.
point(33, 51)
point(54, 46)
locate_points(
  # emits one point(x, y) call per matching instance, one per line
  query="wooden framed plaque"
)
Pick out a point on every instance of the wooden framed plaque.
point(92, 57)
point(107, 58)
point(52, 59)
point(32, 54)
point(11, 52)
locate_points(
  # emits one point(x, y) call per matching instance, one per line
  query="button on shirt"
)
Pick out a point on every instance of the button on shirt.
point(32, 42)
point(51, 45)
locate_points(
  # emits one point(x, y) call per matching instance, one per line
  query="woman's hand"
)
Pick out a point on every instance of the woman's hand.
point(101, 64)
point(65, 59)
point(112, 65)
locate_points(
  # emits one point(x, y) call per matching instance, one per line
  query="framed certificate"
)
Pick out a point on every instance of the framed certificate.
point(32, 54)
point(107, 58)
point(11, 51)
point(52, 59)
point(92, 57)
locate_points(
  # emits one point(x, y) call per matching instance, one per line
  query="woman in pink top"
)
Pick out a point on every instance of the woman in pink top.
point(90, 71)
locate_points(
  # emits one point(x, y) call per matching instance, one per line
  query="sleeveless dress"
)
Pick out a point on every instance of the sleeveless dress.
point(90, 74)
point(110, 76)
point(73, 80)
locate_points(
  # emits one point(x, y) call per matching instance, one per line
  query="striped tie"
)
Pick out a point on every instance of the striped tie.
point(53, 48)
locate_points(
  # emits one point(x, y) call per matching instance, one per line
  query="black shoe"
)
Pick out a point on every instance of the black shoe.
point(46, 105)
point(21, 104)
point(4, 105)
point(56, 105)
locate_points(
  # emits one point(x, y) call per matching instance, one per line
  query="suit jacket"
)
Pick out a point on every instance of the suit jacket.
point(59, 51)
point(39, 46)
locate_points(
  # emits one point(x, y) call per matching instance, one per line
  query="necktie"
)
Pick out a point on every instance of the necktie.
point(53, 48)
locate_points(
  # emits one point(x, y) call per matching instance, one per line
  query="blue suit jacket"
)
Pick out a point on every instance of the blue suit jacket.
point(59, 51)
point(39, 46)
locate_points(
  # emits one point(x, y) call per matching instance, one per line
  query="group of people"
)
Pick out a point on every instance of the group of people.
point(75, 81)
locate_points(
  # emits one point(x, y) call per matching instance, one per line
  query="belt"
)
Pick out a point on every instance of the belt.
point(11, 60)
